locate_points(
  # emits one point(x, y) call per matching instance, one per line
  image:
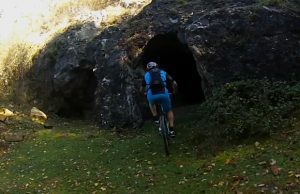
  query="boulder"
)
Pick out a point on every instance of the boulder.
point(38, 116)
point(5, 114)
point(13, 137)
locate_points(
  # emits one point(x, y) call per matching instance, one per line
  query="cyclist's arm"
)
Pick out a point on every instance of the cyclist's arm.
point(172, 81)
point(143, 87)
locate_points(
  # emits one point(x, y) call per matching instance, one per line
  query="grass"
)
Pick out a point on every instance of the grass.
point(76, 157)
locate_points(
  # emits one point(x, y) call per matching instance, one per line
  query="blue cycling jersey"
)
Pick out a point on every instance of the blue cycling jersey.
point(161, 98)
point(147, 77)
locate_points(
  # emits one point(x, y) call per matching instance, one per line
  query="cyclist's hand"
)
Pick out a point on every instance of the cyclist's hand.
point(142, 91)
point(175, 86)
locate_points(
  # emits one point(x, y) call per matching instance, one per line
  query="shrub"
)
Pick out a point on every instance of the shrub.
point(14, 67)
point(249, 108)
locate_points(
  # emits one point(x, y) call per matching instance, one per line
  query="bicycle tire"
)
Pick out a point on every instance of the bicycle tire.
point(164, 134)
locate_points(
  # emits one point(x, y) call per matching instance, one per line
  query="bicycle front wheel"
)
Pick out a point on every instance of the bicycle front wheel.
point(164, 133)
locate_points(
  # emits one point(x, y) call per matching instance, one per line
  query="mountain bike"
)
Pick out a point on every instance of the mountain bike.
point(164, 129)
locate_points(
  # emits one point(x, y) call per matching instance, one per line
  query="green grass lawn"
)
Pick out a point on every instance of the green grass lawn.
point(76, 157)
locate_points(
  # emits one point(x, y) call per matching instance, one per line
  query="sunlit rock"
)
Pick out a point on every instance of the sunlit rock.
point(38, 116)
point(5, 114)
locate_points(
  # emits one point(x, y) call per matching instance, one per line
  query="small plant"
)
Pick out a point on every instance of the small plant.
point(291, 5)
point(182, 1)
point(272, 2)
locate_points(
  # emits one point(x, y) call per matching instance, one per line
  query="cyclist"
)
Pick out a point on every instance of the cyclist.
point(155, 83)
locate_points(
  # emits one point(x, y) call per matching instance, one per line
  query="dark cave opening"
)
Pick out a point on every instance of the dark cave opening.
point(79, 97)
point(176, 59)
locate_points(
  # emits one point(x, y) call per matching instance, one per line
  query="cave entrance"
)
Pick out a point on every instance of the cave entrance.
point(176, 58)
point(79, 97)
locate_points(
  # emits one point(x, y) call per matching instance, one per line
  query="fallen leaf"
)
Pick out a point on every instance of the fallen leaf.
point(229, 161)
point(275, 169)
point(262, 163)
point(103, 188)
point(272, 162)
point(221, 183)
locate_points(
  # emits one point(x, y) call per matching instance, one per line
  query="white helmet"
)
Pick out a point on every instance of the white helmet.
point(151, 65)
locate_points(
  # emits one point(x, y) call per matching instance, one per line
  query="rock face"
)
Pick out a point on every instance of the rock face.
point(229, 40)
point(64, 73)
point(249, 43)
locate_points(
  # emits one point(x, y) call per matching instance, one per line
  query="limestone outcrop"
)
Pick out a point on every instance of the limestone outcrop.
point(228, 40)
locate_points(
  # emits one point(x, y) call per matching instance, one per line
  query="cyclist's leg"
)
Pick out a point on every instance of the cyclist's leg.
point(167, 107)
point(153, 109)
point(152, 106)
point(170, 116)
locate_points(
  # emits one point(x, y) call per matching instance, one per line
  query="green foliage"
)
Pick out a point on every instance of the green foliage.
point(250, 108)
point(14, 67)
point(182, 1)
point(272, 2)
point(291, 5)
point(68, 8)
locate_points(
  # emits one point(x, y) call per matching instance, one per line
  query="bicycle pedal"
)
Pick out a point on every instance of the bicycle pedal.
point(159, 131)
point(172, 134)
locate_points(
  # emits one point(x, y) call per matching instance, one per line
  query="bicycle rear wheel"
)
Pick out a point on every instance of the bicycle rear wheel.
point(164, 133)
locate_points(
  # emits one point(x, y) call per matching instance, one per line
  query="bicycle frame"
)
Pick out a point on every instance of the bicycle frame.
point(163, 124)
